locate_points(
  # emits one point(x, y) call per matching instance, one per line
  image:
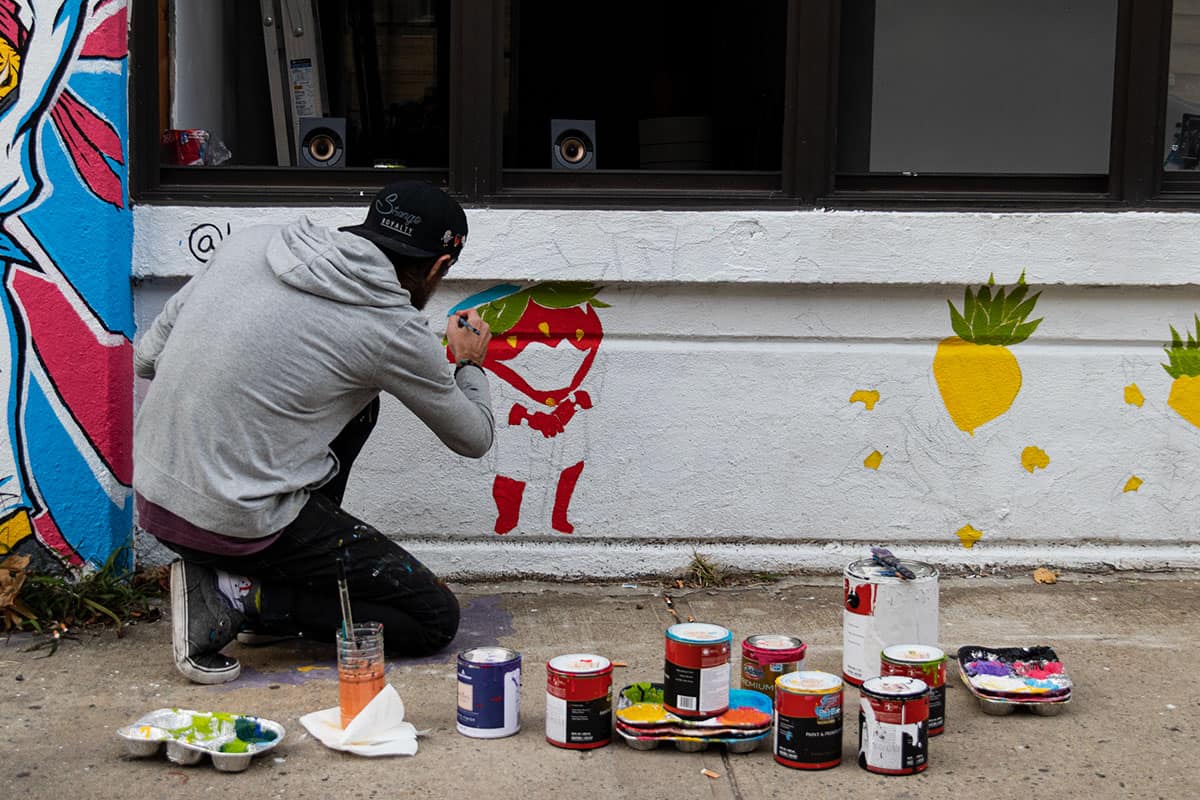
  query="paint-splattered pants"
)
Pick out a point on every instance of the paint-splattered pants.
point(297, 574)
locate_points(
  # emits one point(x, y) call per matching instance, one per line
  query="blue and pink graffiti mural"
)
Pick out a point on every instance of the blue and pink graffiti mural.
point(65, 246)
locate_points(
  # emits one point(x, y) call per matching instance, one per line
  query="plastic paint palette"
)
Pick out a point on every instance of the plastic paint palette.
point(230, 740)
point(1000, 679)
point(644, 724)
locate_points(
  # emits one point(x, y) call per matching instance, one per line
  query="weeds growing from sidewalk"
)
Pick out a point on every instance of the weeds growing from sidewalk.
point(112, 594)
point(703, 572)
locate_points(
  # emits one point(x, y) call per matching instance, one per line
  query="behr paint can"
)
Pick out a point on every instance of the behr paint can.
point(579, 701)
point(765, 657)
point(489, 692)
point(893, 714)
point(881, 609)
point(696, 671)
point(927, 663)
point(808, 720)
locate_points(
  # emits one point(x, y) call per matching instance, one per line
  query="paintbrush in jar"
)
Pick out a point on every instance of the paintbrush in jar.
point(344, 598)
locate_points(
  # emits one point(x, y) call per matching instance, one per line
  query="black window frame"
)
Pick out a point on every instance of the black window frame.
point(808, 177)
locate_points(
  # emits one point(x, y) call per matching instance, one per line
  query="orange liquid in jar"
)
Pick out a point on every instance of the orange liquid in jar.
point(356, 688)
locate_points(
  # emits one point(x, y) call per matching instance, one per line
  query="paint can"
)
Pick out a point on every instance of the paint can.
point(766, 657)
point(924, 662)
point(489, 692)
point(579, 701)
point(696, 671)
point(893, 714)
point(808, 720)
point(881, 609)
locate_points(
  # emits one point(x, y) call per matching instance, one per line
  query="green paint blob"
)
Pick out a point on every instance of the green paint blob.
point(235, 746)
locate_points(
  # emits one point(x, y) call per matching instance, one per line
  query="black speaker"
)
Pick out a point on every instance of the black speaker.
point(573, 143)
point(322, 142)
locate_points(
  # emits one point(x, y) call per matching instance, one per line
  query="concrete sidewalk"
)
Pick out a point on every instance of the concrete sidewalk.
point(1129, 643)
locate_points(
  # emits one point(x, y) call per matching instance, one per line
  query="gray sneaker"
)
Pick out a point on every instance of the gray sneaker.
point(202, 622)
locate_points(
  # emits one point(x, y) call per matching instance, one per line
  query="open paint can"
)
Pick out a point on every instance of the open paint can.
point(765, 657)
point(924, 662)
point(808, 720)
point(893, 715)
point(489, 692)
point(881, 609)
point(579, 701)
point(696, 671)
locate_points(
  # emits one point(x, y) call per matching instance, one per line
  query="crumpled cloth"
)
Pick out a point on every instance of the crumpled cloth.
point(378, 730)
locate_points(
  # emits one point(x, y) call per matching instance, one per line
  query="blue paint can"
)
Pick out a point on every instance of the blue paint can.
point(489, 692)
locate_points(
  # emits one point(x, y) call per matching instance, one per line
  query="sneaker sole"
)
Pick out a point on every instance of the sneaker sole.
point(196, 673)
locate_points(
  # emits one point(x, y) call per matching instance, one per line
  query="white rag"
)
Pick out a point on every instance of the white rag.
point(378, 730)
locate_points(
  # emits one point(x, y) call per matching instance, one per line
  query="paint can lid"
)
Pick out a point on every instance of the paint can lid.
point(895, 686)
point(922, 654)
point(489, 655)
point(774, 646)
point(580, 664)
point(699, 633)
point(808, 682)
point(868, 569)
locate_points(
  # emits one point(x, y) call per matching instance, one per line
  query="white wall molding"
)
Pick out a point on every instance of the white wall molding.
point(751, 246)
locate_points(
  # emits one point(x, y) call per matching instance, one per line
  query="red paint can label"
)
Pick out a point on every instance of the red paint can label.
point(808, 720)
point(893, 716)
point(579, 701)
point(926, 663)
point(696, 670)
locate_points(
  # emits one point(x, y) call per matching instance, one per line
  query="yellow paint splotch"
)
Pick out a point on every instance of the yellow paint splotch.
point(1034, 458)
point(868, 397)
point(1133, 484)
point(968, 536)
point(512, 341)
point(544, 327)
point(874, 460)
point(1134, 396)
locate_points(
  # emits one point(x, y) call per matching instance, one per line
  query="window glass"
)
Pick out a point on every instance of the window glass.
point(626, 85)
point(1183, 88)
point(328, 83)
point(976, 86)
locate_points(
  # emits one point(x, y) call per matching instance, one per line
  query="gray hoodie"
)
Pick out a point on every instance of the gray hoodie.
point(260, 361)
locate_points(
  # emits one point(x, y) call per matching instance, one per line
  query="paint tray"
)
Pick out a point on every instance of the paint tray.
point(231, 741)
point(645, 724)
point(1002, 682)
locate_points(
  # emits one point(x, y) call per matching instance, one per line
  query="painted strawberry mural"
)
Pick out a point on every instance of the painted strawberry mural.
point(544, 343)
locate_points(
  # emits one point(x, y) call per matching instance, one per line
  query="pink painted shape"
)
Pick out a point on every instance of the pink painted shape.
point(108, 40)
point(91, 376)
point(48, 534)
point(10, 24)
point(88, 139)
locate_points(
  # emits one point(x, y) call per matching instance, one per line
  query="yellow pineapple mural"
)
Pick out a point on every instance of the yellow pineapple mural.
point(1184, 366)
point(977, 376)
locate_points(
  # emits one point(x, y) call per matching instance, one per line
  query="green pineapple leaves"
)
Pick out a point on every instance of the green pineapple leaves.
point(1184, 358)
point(992, 316)
point(502, 314)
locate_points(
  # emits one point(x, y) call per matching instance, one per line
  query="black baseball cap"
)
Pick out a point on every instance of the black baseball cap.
point(414, 218)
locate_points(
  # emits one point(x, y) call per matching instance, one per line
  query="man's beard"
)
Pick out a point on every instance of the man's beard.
point(419, 295)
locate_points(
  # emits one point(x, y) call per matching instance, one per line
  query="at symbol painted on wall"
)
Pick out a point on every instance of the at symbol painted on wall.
point(976, 374)
point(1184, 366)
point(544, 342)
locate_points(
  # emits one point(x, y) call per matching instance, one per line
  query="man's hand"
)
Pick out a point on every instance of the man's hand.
point(464, 343)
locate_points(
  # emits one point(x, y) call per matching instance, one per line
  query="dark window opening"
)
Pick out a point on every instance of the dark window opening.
point(644, 86)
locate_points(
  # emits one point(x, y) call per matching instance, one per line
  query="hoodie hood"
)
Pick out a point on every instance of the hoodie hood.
point(334, 265)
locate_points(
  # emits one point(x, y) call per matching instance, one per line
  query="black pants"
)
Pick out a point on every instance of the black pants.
point(297, 574)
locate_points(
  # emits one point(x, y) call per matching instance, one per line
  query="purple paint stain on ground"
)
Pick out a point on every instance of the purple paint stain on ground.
point(484, 620)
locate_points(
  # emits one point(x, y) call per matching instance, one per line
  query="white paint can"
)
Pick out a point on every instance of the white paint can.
point(880, 609)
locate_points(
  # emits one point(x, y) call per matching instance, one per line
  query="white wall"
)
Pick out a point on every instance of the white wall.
point(722, 420)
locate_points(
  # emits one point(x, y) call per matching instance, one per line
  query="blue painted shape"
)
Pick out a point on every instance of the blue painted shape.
point(86, 517)
point(486, 296)
point(89, 240)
